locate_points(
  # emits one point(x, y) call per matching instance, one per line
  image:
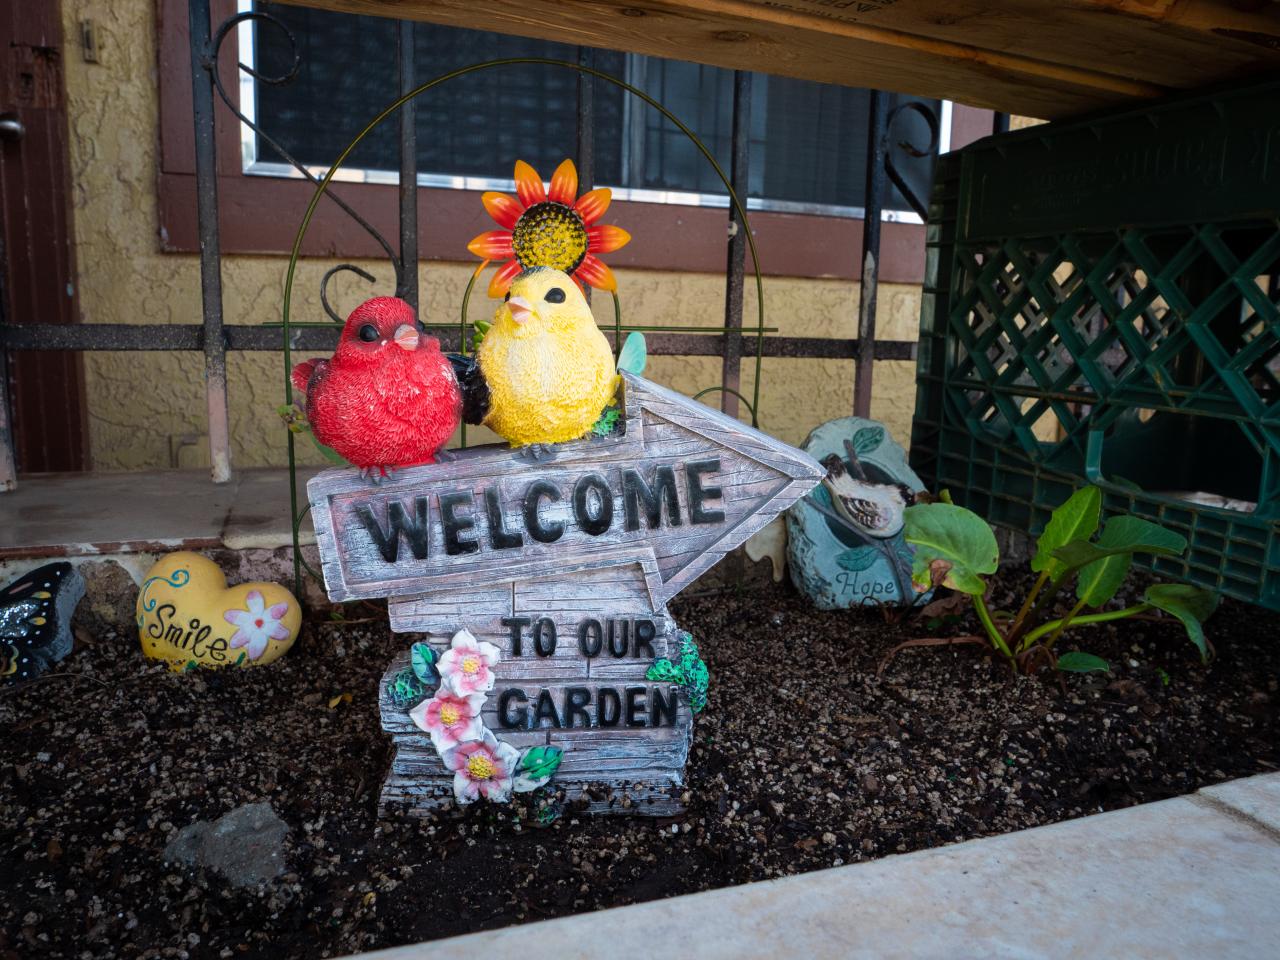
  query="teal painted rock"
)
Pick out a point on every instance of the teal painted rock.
point(833, 565)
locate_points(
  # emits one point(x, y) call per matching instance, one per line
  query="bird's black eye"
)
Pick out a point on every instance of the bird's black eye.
point(507, 297)
point(554, 295)
point(368, 333)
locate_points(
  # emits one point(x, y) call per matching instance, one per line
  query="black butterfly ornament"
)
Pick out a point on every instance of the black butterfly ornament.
point(35, 620)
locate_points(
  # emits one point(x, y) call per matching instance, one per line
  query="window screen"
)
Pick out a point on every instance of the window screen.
point(808, 140)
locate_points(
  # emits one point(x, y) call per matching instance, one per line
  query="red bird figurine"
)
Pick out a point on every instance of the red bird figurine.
point(388, 398)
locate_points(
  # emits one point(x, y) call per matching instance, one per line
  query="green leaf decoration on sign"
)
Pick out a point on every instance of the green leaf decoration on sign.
point(691, 672)
point(664, 671)
point(405, 689)
point(634, 354)
point(1076, 519)
point(689, 656)
point(607, 423)
point(952, 544)
point(537, 766)
point(699, 678)
point(867, 440)
point(478, 329)
point(820, 494)
point(423, 660)
point(1123, 535)
point(1191, 605)
point(857, 559)
point(1077, 662)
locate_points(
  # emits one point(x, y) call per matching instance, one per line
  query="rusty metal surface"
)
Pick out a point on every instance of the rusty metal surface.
point(731, 368)
point(877, 188)
point(203, 64)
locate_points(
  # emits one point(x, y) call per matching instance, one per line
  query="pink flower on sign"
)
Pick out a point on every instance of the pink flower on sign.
point(482, 768)
point(258, 624)
point(467, 666)
point(450, 719)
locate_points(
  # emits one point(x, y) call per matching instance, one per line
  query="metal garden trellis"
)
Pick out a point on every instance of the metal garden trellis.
point(619, 328)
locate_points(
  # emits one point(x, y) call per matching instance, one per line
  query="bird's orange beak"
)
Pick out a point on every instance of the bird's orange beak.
point(406, 336)
point(521, 309)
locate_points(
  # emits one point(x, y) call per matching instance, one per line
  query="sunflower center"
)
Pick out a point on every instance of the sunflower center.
point(480, 767)
point(449, 714)
point(549, 234)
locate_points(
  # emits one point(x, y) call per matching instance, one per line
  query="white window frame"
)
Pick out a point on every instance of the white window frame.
point(252, 166)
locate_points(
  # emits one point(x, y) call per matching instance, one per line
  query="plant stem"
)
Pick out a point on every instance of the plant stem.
point(988, 624)
point(1026, 605)
point(1040, 631)
point(1063, 624)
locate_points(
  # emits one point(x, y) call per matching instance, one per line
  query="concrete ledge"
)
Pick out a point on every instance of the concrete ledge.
point(95, 514)
point(1195, 876)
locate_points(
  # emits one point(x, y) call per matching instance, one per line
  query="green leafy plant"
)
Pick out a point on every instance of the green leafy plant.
point(955, 548)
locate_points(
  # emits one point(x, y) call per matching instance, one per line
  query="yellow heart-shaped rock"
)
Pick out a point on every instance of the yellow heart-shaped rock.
point(188, 616)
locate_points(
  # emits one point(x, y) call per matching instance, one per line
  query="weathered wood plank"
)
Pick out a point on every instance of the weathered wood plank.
point(658, 797)
point(1041, 58)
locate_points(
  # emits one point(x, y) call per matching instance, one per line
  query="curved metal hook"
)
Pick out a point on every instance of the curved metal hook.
point(745, 402)
point(211, 64)
point(324, 287)
point(911, 150)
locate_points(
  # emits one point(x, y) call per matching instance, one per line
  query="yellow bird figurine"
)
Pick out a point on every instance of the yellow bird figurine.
point(544, 371)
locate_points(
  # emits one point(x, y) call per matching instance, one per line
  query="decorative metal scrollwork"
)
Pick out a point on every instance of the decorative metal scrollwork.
point(911, 150)
point(211, 64)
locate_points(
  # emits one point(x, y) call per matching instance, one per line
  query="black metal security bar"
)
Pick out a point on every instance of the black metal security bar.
point(877, 185)
point(214, 339)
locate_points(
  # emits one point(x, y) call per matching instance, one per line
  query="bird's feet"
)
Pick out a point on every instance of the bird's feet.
point(539, 452)
point(376, 475)
point(445, 456)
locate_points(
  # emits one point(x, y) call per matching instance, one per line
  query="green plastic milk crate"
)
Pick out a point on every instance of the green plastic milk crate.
point(1102, 304)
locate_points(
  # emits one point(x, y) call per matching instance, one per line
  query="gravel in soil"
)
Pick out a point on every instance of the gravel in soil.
point(804, 759)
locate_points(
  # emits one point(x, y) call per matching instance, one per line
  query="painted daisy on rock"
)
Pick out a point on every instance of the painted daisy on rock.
point(549, 227)
point(258, 624)
point(482, 768)
point(450, 719)
point(467, 666)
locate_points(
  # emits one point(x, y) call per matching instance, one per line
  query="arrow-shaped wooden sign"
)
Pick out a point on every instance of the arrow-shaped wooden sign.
point(680, 486)
point(564, 566)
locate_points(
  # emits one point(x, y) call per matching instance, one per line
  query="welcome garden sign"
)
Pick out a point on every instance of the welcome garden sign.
point(542, 588)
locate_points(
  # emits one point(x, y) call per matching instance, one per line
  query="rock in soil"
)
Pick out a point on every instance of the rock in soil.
point(244, 846)
point(109, 598)
point(805, 758)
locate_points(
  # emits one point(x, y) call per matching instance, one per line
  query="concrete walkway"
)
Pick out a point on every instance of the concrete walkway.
point(95, 514)
point(1196, 876)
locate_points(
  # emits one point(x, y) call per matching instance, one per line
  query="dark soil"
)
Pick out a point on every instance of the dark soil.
point(804, 759)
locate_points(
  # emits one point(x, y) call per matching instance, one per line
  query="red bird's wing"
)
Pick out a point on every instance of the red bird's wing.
point(303, 373)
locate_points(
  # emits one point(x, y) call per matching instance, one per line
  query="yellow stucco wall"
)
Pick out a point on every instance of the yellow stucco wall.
point(147, 410)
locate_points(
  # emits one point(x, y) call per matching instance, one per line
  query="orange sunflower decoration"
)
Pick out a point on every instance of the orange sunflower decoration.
point(551, 227)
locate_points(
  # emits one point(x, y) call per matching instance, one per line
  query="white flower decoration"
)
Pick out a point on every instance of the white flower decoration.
point(258, 624)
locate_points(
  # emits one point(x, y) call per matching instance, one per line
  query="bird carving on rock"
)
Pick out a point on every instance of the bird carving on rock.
point(388, 397)
point(875, 509)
